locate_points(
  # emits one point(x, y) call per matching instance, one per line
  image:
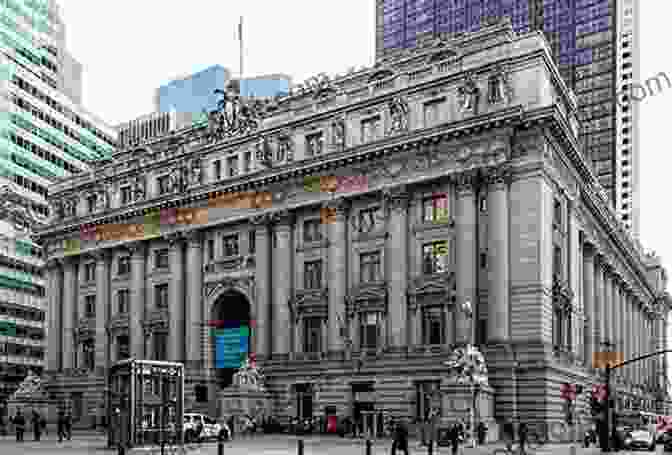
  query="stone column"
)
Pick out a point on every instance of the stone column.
point(621, 325)
point(598, 311)
point(192, 318)
point(660, 338)
point(466, 221)
point(262, 302)
point(338, 254)
point(102, 308)
point(69, 312)
point(588, 302)
point(54, 330)
point(282, 282)
point(398, 259)
point(638, 336)
point(628, 334)
point(609, 306)
point(297, 336)
point(136, 313)
point(417, 326)
point(176, 345)
point(498, 257)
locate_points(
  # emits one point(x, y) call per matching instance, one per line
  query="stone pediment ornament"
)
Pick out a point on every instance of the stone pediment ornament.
point(234, 116)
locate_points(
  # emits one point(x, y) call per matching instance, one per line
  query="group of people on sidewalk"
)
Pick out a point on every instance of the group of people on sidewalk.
point(39, 423)
point(456, 436)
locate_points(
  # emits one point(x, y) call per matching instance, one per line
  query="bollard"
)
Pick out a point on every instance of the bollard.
point(430, 447)
point(368, 447)
point(220, 445)
point(299, 447)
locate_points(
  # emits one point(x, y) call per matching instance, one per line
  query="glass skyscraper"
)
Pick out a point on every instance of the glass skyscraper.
point(592, 46)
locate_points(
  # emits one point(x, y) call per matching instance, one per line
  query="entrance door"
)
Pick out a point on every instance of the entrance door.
point(364, 417)
point(304, 401)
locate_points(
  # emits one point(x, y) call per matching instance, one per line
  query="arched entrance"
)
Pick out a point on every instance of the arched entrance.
point(230, 335)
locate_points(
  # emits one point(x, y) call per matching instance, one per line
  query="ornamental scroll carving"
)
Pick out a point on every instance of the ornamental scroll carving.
point(398, 116)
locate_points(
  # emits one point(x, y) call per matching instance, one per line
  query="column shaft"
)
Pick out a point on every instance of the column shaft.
point(136, 312)
point(69, 305)
point(498, 260)
point(627, 316)
point(193, 320)
point(176, 345)
point(264, 289)
point(282, 285)
point(102, 306)
point(466, 253)
point(338, 254)
point(398, 260)
point(54, 330)
point(589, 305)
point(598, 309)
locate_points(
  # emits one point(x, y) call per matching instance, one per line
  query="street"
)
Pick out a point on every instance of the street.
point(261, 445)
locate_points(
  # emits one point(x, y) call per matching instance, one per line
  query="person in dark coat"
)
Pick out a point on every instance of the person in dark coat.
point(68, 425)
point(509, 434)
point(36, 420)
point(482, 431)
point(19, 425)
point(522, 436)
point(454, 435)
point(61, 426)
point(400, 438)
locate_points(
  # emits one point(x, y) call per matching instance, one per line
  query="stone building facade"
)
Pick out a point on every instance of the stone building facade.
point(350, 221)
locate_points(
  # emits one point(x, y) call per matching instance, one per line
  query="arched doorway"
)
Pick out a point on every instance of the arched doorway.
point(230, 335)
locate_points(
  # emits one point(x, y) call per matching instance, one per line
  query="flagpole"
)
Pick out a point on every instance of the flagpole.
point(240, 40)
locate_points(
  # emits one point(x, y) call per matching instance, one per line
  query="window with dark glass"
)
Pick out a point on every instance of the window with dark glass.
point(217, 166)
point(90, 271)
point(161, 295)
point(124, 265)
point(435, 257)
point(424, 393)
point(232, 166)
point(160, 340)
point(161, 259)
point(557, 262)
point(557, 328)
point(91, 202)
point(369, 267)
point(90, 306)
point(247, 161)
point(557, 214)
point(126, 195)
point(89, 357)
point(123, 300)
point(230, 245)
point(252, 241)
point(433, 327)
point(312, 231)
point(122, 347)
point(315, 144)
point(164, 184)
point(211, 249)
point(312, 334)
point(282, 151)
point(369, 330)
point(435, 208)
point(368, 219)
point(312, 275)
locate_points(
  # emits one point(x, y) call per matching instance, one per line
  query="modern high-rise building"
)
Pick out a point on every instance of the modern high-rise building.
point(266, 86)
point(587, 38)
point(45, 135)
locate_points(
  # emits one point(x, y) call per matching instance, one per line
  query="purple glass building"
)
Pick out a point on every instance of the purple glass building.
point(583, 34)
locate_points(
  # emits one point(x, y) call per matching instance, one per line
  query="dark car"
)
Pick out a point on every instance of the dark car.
point(640, 439)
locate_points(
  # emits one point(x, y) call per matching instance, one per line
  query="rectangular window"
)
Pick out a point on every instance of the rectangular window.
point(312, 334)
point(161, 259)
point(217, 169)
point(482, 332)
point(435, 257)
point(89, 358)
point(230, 245)
point(161, 295)
point(314, 144)
point(247, 161)
point(370, 129)
point(124, 265)
point(123, 300)
point(90, 272)
point(122, 347)
point(425, 392)
point(232, 166)
point(252, 241)
point(91, 202)
point(312, 231)
point(126, 195)
point(312, 275)
point(431, 113)
point(557, 263)
point(160, 340)
point(369, 330)
point(368, 219)
point(433, 327)
point(369, 267)
point(163, 184)
point(435, 209)
point(90, 306)
point(557, 328)
point(557, 214)
point(211, 249)
point(282, 150)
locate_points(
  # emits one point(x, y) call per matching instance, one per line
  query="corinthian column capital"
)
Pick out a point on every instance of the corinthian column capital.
point(136, 249)
point(498, 177)
point(466, 183)
point(174, 238)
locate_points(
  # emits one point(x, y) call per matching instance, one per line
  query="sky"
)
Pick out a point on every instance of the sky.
point(129, 48)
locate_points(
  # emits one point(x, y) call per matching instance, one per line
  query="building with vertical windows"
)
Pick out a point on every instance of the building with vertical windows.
point(339, 232)
point(152, 126)
point(266, 86)
point(588, 41)
point(45, 135)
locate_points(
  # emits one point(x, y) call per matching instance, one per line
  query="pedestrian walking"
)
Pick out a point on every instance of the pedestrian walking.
point(400, 441)
point(43, 425)
point(68, 425)
point(230, 423)
point(19, 425)
point(61, 426)
point(482, 431)
point(522, 436)
point(36, 420)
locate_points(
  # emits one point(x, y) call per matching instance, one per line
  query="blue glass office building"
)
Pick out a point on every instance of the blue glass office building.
point(583, 38)
point(194, 93)
point(265, 86)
